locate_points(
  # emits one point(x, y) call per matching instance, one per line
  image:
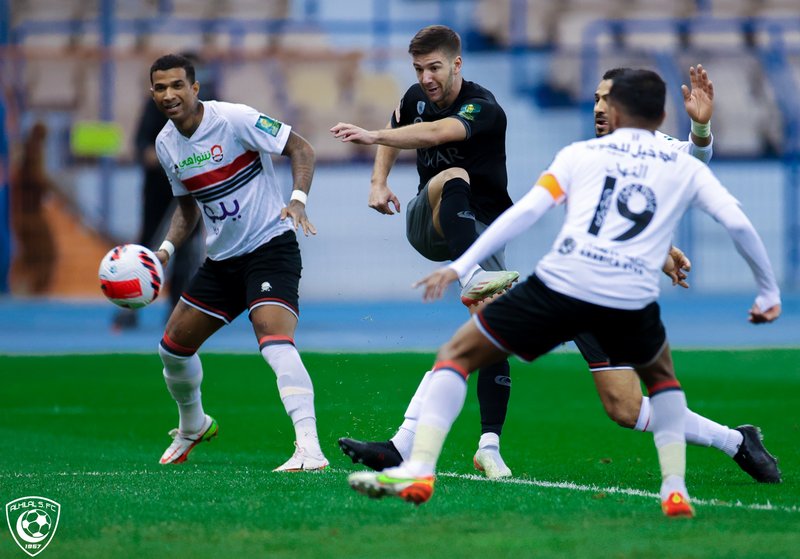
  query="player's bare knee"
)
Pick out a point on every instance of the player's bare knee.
point(452, 173)
point(622, 410)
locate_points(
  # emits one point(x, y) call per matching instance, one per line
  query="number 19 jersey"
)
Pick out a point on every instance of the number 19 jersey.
point(624, 194)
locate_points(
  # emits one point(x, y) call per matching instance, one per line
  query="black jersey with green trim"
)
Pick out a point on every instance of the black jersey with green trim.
point(482, 153)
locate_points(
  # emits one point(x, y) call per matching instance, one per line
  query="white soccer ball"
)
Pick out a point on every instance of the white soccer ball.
point(36, 523)
point(131, 276)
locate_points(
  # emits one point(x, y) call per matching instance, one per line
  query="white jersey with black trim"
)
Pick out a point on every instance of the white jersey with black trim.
point(226, 166)
point(625, 193)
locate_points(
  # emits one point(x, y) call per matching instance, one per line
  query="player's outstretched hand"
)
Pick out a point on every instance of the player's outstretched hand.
point(296, 211)
point(352, 133)
point(757, 316)
point(677, 266)
point(162, 255)
point(436, 283)
point(380, 198)
point(699, 100)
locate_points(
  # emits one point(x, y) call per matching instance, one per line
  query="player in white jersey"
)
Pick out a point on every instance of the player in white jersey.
point(618, 386)
point(217, 158)
point(624, 195)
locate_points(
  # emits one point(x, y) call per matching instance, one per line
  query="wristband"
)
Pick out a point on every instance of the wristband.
point(167, 247)
point(300, 196)
point(701, 130)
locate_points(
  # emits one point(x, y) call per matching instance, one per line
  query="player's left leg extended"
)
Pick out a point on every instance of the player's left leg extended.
point(274, 326)
point(621, 394)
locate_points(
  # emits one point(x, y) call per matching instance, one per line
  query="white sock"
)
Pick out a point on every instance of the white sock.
point(296, 390)
point(443, 402)
point(464, 280)
point(669, 418)
point(404, 438)
point(489, 441)
point(183, 376)
point(700, 430)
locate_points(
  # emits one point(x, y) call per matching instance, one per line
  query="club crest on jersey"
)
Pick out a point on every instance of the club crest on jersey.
point(420, 107)
point(567, 246)
point(266, 286)
point(268, 125)
point(469, 111)
point(216, 153)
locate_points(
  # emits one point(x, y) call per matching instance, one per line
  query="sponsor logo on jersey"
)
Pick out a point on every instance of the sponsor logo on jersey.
point(266, 286)
point(420, 107)
point(435, 157)
point(224, 212)
point(469, 111)
point(196, 160)
point(268, 125)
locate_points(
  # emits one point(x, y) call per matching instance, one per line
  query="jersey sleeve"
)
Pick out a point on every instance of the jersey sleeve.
point(400, 115)
point(477, 115)
point(703, 154)
point(556, 178)
point(257, 131)
point(711, 196)
point(178, 189)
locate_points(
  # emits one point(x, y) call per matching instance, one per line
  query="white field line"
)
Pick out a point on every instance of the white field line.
point(566, 485)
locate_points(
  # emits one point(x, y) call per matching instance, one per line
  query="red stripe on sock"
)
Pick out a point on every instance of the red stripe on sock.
point(273, 339)
point(662, 386)
point(452, 366)
point(176, 347)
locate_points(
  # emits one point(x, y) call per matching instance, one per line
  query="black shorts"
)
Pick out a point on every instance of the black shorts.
point(269, 275)
point(532, 319)
point(593, 354)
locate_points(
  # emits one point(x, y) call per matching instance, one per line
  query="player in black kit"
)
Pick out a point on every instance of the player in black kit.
point(458, 130)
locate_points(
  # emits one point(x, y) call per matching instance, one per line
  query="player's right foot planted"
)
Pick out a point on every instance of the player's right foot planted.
point(484, 285)
point(393, 482)
point(754, 458)
point(183, 444)
point(490, 462)
point(375, 455)
point(677, 505)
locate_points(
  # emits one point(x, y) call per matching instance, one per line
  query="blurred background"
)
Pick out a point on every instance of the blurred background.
point(74, 77)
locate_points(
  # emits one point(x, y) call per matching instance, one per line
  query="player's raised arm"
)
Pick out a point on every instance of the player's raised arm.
point(699, 104)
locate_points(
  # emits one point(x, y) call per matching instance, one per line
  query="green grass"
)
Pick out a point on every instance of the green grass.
point(87, 432)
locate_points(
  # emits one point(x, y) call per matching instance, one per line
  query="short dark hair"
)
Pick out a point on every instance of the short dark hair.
point(433, 38)
point(641, 93)
point(170, 61)
point(614, 72)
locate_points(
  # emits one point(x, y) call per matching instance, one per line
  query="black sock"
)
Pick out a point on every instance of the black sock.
point(493, 396)
point(456, 217)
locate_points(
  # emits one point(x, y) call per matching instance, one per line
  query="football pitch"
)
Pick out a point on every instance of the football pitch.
point(87, 432)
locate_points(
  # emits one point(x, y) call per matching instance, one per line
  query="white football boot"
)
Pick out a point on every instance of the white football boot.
point(483, 285)
point(302, 461)
point(183, 444)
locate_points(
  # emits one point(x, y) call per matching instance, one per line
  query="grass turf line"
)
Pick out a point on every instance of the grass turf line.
point(88, 431)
